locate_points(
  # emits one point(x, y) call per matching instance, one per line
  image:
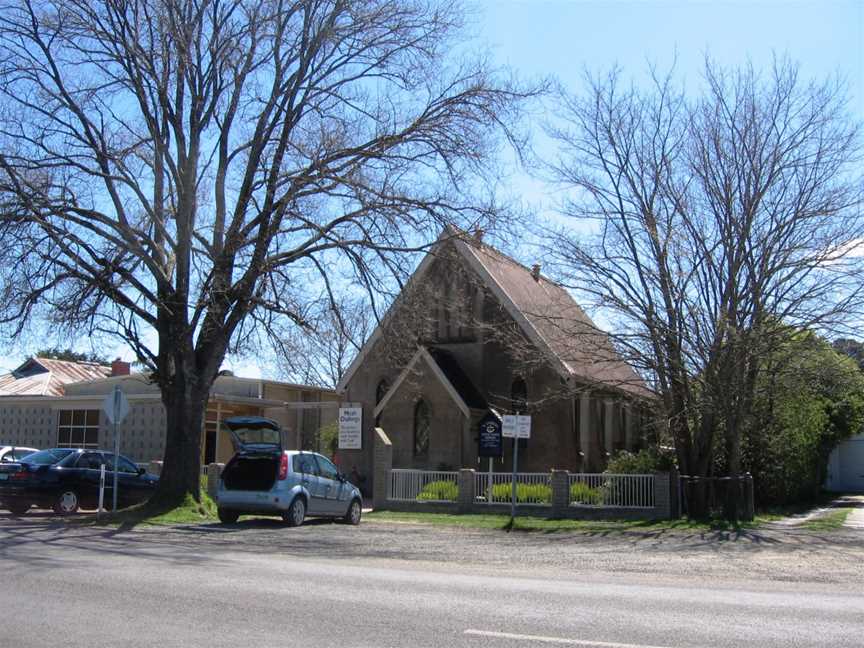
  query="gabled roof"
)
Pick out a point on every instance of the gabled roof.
point(546, 313)
point(423, 355)
point(47, 376)
point(553, 320)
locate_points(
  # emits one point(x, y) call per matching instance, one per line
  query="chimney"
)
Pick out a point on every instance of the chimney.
point(120, 368)
point(535, 272)
point(477, 237)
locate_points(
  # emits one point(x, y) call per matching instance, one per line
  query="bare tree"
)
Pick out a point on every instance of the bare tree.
point(321, 353)
point(195, 167)
point(717, 223)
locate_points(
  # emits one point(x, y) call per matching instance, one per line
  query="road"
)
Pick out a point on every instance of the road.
point(378, 585)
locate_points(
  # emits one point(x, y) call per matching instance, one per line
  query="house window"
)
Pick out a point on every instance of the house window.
point(78, 429)
point(519, 395)
point(422, 423)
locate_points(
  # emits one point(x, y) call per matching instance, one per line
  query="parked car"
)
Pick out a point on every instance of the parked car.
point(65, 479)
point(263, 478)
point(11, 454)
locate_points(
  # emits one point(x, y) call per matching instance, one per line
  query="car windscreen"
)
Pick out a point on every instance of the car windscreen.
point(48, 457)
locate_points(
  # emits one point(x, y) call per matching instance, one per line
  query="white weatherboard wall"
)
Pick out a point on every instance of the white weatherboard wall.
point(846, 466)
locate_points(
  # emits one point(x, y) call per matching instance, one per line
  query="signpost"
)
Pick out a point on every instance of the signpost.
point(350, 428)
point(515, 427)
point(116, 407)
point(101, 508)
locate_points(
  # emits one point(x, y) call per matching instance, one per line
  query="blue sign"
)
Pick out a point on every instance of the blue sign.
point(489, 441)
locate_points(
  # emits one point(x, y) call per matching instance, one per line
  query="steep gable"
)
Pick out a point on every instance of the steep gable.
point(544, 311)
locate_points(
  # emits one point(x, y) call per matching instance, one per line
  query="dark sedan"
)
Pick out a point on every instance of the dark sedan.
point(65, 480)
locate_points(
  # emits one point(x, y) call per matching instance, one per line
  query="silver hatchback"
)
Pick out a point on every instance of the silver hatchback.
point(263, 479)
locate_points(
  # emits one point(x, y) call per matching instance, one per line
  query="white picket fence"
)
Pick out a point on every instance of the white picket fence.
point(423, 485)
point(610, 490)
point(602, 490)
point(496, 488)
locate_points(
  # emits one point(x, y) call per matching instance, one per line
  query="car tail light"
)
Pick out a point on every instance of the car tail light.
point(21, 474)
point(283, 466)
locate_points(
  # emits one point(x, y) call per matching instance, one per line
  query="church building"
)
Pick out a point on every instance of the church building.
point(476, 334)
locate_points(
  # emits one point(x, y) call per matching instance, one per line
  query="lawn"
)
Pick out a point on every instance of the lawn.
point(544, 525)
point(190, 512)
point(831, 521)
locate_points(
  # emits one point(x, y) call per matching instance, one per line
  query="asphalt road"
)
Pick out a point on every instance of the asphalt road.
point(261, 584)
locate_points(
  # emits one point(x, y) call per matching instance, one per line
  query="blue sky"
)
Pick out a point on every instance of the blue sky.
point(562, 38)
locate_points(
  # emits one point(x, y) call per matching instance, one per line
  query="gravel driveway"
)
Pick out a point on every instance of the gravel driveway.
point(778, 555)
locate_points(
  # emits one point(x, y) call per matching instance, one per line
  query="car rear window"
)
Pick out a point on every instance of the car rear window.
point(48, 457)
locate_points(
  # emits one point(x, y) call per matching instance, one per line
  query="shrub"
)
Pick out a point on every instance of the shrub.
point(583, 494)
point(525, 493)
point(439, 490)
point(643, 462)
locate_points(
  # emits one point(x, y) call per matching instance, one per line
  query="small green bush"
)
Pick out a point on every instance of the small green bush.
point(582, 493)
point(525, 493)
point(439, 490)
point(643, 462)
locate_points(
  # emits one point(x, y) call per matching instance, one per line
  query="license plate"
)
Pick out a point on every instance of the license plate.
point(3, 476)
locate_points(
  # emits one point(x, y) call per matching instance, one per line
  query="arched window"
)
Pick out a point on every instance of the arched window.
point(422, 423)
point(380, 392)
point(519, 395)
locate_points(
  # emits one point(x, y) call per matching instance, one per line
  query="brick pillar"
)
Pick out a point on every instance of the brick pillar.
point(662, 496)
point(214, 471)
point(560, 493)
point(465, 500)
point(382, 463)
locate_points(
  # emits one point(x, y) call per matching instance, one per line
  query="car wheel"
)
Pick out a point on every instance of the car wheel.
point(354, 513)
point(295, 515)
point(19, 509)
point(67, 503)
point(228, 517)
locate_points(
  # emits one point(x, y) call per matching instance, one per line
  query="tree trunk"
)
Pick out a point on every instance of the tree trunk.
point(182, 460)
point(184, 395)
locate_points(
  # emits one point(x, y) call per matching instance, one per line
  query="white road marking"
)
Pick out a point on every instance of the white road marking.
point(556, 640)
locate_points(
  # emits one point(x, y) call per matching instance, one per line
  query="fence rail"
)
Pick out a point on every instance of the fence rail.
point(610, 490)
point(496, 488)
point(423, 485)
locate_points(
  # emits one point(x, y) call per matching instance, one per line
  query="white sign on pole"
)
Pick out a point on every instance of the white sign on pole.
point(516, 427)
point(350, 428)
point(116, 405)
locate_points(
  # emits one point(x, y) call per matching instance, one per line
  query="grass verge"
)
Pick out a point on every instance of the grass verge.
point(831, 521)
point(543, 525)
point(190, 512)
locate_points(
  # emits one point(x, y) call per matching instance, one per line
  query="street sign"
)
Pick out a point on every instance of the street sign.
point(350, 428)
point(516, 426)
point(490, 444)
point(116, 405)
point(116, 408)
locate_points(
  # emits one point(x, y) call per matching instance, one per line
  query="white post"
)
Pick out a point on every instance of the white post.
point(101, 508)
point(515, 462)
point(489, 491)
point(116, 463)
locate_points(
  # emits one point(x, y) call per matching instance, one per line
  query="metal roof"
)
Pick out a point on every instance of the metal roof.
point(47, 377)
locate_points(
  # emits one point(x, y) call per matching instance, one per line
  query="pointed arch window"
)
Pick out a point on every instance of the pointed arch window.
point(519, 395)
point(422, 425)
point(380, 392)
